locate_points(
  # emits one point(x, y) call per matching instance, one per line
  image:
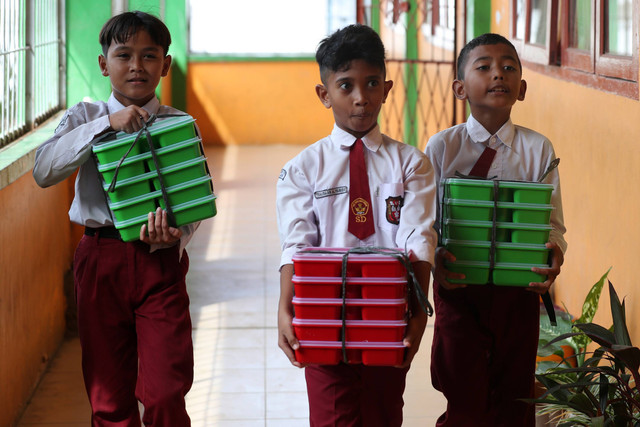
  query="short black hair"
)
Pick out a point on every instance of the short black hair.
point(483, 40)
point(122, 27)
point(352, 42)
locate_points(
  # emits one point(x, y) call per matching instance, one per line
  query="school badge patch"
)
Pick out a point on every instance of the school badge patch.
point(394, 204)
point(360, 207)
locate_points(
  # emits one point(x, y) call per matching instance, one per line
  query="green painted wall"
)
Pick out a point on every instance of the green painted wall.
point(478, 18)
point(83, 22)
point(176, 20)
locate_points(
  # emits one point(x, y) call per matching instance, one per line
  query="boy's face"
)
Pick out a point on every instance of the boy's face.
point(492, 79)
point(135, 68)
point(356, 96)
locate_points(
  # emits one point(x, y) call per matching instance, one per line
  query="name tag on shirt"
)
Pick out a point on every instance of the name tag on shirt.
point(330, 192)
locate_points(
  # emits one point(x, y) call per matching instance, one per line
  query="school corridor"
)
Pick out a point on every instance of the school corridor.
point(242, 379)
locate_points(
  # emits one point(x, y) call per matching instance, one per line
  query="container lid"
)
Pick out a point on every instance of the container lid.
point(501, 183)
point(134, 200)
point(157, 127)
point(355, 323)
point(194, 203)
point(183, 165)
point(365, 345)
point(188, 184)
point(500, 245)
point(526, 185)
point(152, 174)
point(499, 266)
point(350, 280)
point(468, 223)
point(501, 205)
point(524, 226)
point(470, 182)
point(177, 208)
point(123, 182)
point(349, 301)
point(326, 254)
point(514, 266)
point(147, 155)
point(169, 123)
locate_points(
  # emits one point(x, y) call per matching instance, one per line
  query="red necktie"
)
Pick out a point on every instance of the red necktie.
point(481, 168)
point(360, 209)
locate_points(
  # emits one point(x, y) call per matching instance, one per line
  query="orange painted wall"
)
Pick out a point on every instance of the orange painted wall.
point(35, 254)
point(595, 134)
point(257, 102)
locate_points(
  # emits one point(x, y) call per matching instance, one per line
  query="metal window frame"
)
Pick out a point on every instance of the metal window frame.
point(33, 32)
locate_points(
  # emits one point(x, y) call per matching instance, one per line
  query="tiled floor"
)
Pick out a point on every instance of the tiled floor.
point(241, 376)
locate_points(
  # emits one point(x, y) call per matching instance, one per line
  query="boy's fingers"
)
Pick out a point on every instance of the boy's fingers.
point(288, 346)
point(143, 233)
point(152, 225)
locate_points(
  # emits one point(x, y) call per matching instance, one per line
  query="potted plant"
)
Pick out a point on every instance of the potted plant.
point(602, 389)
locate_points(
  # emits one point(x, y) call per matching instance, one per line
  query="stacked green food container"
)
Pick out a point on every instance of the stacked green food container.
point(179, 165)
point(496, 229)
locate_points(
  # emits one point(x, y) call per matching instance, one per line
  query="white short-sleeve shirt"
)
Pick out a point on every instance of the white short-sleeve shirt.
point(313, 196)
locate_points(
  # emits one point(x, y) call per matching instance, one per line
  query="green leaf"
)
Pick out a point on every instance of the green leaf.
point(603, 393)
point(619, 322)
point(589, 308)
point(597, 333)
point(590, 305)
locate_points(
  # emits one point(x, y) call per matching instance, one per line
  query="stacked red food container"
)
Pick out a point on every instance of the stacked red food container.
point(367, 322)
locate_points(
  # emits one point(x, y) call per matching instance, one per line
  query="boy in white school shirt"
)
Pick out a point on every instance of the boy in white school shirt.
point(485, 337)
point(133, 308)
point(313, 206)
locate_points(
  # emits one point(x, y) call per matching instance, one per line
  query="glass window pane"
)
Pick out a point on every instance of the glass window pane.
point(619, 27)
point(447, 14)
point(538, 22)
point(580, 24)
point(214, 25)
point(520, 16)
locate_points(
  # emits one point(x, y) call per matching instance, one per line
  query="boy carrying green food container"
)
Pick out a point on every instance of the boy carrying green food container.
point(133, 308)
point(486, 335)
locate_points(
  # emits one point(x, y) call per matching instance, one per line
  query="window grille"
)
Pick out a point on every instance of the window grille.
point(30, 47)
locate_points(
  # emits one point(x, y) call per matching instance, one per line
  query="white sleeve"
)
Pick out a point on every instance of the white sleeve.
point(297, 222)
point(419, 211)
point(70, 146)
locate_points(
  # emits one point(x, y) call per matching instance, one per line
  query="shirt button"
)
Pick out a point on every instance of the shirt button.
point(493, 139)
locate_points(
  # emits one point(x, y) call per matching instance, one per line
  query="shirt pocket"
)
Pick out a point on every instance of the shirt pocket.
point(390, 200)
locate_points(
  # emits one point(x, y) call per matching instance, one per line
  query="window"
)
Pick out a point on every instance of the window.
point(268, 28)
point(597, 44)
point(30, 46)
point(439, 22)
point(533, 30)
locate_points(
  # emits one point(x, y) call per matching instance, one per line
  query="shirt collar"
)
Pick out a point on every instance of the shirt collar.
point(150, 107)
point(479, 134)
point(372, 140)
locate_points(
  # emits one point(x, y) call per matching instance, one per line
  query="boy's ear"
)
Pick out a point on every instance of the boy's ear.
point(388, 84)
point(458, 89)
point(323, 95)
point(102, 61)
point(523, 90)
point(166, 65)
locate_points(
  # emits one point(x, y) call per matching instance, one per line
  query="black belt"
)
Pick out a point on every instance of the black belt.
point(104, 232)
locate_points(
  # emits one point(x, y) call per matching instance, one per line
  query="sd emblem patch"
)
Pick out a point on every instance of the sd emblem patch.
point(394, 205)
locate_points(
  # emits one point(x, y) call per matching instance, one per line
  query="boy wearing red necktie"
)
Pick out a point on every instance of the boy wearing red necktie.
point(486, 337)
point(355, 187)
